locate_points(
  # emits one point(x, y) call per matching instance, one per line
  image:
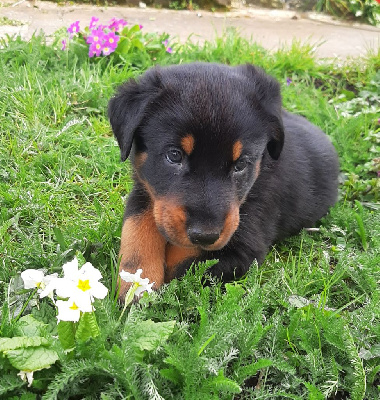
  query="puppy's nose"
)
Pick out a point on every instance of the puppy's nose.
point(202, 238)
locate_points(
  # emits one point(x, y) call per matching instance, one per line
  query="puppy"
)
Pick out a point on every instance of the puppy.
point(221, 171)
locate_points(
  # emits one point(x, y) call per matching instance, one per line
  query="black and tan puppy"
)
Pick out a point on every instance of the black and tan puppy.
point(221, 170)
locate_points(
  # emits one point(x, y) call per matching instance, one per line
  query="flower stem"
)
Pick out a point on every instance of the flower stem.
point(25, 305)
point(129, 298)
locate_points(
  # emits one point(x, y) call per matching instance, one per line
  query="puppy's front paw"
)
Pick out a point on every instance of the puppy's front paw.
point(142, 248)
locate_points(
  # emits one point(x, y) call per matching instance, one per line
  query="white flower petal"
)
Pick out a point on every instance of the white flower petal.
point(83, 300)
point(26, 375)
point(143, 283)
point(144, 288)
point(64, 287)
point(70, 269)
point(90, 272)
point(128, 277)
point(98, 290)
point(49, 278)
point(32, 278)
point(67, 311)
point(49, 288)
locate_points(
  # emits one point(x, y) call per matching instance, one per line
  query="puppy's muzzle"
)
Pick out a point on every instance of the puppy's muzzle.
point(201, 237)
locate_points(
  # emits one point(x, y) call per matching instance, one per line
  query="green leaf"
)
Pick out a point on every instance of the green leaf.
point(87, 327)
point(207, 342)
point(314, 393)
point(223, 384)
point(172, 374)
point(123, 46)
point(149, 335)
point(29, 326)
point(134, 29)
point(251, 369)
point(7, 344)
point(32, 358)
point(60, 239)
point(9, 383)
point(137, 43)
point(66, 334)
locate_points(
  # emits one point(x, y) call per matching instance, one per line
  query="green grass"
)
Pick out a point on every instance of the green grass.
point(304, 325)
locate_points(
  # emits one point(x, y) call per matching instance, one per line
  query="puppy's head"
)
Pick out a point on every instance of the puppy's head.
point(198, 135)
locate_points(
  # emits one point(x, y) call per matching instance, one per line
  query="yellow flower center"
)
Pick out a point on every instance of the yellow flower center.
point(97, 46)
point(106, 49)
point(74, 307)
point(84, 285)
point(111, 40)
point(38, 285)
point(96, 38)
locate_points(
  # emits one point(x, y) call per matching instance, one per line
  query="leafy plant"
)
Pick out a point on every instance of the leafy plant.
point(365, 10)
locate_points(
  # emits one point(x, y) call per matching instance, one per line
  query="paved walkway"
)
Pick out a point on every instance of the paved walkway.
point(271, 28)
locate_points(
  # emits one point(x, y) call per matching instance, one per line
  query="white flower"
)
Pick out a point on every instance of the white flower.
point(68, 310)
point(141, 284)
point(35, 278)
point(82, 286)
point(26, 375)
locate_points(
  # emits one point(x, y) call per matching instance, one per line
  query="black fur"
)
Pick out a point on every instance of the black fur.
point(219, 105)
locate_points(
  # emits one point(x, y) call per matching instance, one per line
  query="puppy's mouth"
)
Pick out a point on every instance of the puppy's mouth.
point(171, 220)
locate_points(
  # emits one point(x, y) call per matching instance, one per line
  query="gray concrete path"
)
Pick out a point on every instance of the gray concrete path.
point(271, 28)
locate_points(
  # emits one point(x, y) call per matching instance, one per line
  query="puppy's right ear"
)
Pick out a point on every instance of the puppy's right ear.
point(128, 107)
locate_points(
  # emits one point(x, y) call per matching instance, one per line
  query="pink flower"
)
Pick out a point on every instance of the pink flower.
point(95, 49)
point(73, 28)
point(167, 48)
point(93, 22)
point(96, 36)
point(117, 25)
point(140, 26)
point(64, 44)
point(107, 50)
point(110, 40)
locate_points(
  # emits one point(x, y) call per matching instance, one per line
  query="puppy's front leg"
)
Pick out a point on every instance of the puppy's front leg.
point(142, 246)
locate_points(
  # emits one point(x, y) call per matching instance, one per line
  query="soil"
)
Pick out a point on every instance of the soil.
point(271, 28)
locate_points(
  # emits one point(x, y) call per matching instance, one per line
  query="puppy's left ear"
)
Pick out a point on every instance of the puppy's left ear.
point(266, 95)
point(127, 109)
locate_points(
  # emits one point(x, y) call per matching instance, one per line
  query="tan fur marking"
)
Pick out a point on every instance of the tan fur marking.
point(257, 169)
point(174, 256)
point(171, 218)
point(187, 144)
point(236, 150)
point(230, 225)
point(142, 246)
point(140, 158)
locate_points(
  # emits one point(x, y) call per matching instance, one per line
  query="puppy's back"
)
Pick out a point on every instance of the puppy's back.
point(310, 184)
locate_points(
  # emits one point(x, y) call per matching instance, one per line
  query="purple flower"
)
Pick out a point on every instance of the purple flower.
point(95, 49)
point(96, 36)
point(141, 26)
point(110, 40)
point(288, 81)
point(107, 50)
point(73, 28)
point(64, 44)
point(167, 48)
point(93, 22)
point(117, 25)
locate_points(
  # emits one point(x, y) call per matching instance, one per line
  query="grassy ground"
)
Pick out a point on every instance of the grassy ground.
point(305, 325)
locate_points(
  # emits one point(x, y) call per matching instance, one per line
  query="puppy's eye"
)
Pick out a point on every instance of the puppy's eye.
point(240, 165)
point(174, 156)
